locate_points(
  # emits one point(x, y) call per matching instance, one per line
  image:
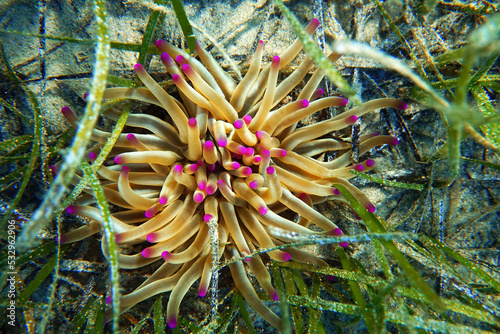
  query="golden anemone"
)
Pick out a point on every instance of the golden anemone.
point(227, 159)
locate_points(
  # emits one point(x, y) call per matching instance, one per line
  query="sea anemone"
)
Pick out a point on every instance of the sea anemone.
point(227, 158)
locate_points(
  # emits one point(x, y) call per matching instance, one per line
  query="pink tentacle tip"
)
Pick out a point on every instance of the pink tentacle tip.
point(344, 244)
point(263, 210)
point(186, 68)
point(336, 232)
point(270, 170)
point(147, 253)
point(359, 167)
point(159, 43)
point(238, 124)
point(250, 151)
point(192, 122)
point(320, 92)
point(151, 238)
point(85, 95)
point(207, 217)
point(118, 160)
point(92, 156)
point(109, 300)
point(202, 185)
point(202, 291)
point(172, 323)
point(304, 103)
point(314, 23)
point(125, 169)
point(165, 57)
point(371, 208)
point(71, 209)
point(138, 68)
point(274, 296)
point(285, 257)
point(176, 78)
point(370, 163)
point(178, 168)
point(246, 171)
point(198, 197)
point(253, 185)
point(351, 119)
point(402, 105)
point(166, 255)
point(211, 190)
point(163, 200)
point(209, 145)
point(303, 196)
point(150, 213)
point(118, 238)
point(394, 141)
point(335, 191)
point(247, 119)
point(66, 111)
point(344, 102)
point(222, 142)
point(235, 165)
point(276, 60)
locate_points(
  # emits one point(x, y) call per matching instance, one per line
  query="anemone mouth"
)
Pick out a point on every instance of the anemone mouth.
point(230, 158)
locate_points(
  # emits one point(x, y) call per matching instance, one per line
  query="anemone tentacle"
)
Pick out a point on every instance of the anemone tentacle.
point(230, 153)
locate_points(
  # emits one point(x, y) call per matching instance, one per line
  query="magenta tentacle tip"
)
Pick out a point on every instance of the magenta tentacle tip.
point(66, 111)
point(60, 239)
point(192, 122)
point(285, 257)
point(359, 167)
point(150, 213)
point(238, 124)
point(275, 296)
point(166, 255)
point(138, 68)
point(163, 200)
point(351, 119)
point(118, 160)
point(336, 232)
point(371, 208)
point(370, 163)
point(246, 171)
point(314, 23)
point(394, 141)
point(147, 253)
point(172, 323)
point(276, 60)
point(159, 43)
point(202, 291)
point(403, 105)
point(178, 168)
point(176, 78)
point(263, 210)
point(198, 197)
point(344, 102)
point(247, 119)
point(109, 300)
point(71, 209)
point(222, 142)
point(125, 169)
point(118, 238)
point(253, 185)
point(270, 170)
point(344, 244)
point(207, 217)
point(186, 68)
point(335, 191)
point(304, 103)
point(151, 238)
point(92, 156)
